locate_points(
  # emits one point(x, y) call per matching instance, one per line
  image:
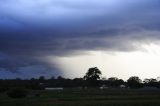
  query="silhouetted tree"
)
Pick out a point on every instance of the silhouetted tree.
point(52, 78)
point(151, 82)
point(134, 82)
point(60, 78)
point(112, 79)
point(92, 76)
point(41, 78)
point(114, 82)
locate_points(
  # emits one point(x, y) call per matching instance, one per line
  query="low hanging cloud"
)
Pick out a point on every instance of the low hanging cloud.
point(33, 29)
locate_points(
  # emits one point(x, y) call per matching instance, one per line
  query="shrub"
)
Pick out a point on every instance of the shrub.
point(17, 93)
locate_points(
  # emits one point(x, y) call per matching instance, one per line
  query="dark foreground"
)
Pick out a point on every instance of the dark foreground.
point(89, 97)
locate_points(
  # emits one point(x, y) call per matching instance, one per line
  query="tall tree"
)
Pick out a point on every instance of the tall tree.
point(92, 76)
point(134, 82)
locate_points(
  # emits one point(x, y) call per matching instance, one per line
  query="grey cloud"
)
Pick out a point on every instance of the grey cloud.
point(33, 29)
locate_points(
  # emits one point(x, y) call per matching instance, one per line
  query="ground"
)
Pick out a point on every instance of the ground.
point(87, 97)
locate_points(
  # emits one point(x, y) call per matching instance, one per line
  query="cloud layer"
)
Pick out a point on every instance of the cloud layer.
point(33, 29)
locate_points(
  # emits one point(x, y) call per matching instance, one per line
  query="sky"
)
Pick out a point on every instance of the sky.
point(67, 37)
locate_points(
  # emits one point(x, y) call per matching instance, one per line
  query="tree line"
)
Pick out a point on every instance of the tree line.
point(91, 79)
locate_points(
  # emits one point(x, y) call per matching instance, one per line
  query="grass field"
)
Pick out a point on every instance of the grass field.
point(89, 97)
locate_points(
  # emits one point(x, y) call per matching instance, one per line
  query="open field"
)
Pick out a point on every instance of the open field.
point(90, 97)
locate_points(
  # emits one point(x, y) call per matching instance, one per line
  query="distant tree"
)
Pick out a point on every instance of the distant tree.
point(151, 82)
point(52, 78)
point(92, 76)
point(18, 79)
point(112, 79)
point(32, 79)
point(41, 78)
point(134, 82)
point(114, 82)
point(60, 78)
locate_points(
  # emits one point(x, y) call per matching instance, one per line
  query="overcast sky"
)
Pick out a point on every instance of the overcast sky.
point(66, 37)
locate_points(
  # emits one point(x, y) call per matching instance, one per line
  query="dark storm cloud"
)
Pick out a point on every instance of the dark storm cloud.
point(32, 29)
